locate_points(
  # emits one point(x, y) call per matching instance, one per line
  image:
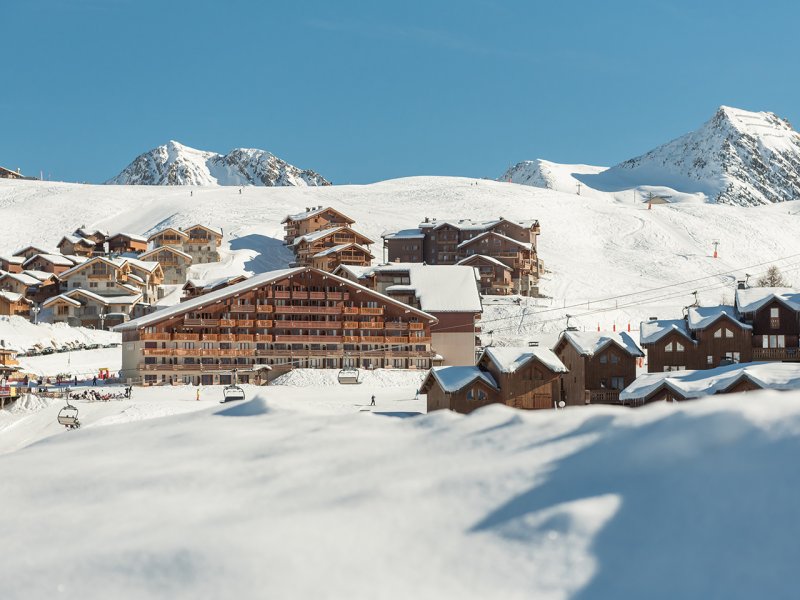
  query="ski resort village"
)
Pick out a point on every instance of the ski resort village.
point(223, 373)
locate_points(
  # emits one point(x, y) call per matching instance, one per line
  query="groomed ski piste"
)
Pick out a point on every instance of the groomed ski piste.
point(304, 490)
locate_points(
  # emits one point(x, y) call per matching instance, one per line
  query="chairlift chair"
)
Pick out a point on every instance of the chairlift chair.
point(348, 376)
point(68, 416)
point(231, 393)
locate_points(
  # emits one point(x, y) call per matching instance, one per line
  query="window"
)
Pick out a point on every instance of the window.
point(674, 368)
point(774, 313)
point(603, 359)
point(709, 360)
point(668, 347)
point(618, 383)
point(470, 395)
point(481, 396)
point(678, 347)
point(718, 333)
point(615, 359)
point(773, 341)
point(733, 357)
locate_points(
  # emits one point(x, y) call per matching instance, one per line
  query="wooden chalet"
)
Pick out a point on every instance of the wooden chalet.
point(306, 247)
point(12, 304)
point(84, 308)
point(29, 251)
point(311, 220)
point(11, 264)
point(97, 236)
point(680, 386)
point(774, 315)
point(19, 283)
point(9, 174)
point(77, 246)
point(600, 364)
point(707, 337)
point(49, 263)
point(197, 287)
point(174, 263)
point(203, 243)
point(526, 378)
point(496, 277)
point(300, 317)
point(126, 243)
point(96, 274)
point(168, 237)
point(343, 254)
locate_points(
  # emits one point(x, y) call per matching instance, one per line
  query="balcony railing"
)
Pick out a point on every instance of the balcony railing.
point(372, 311)
point(227, 322)
point(263, 323)
point(154, 337)
point(186, 337)
point(330, 339)
point(320, 310)
point(602, 396)
point(188, 322)
point(370, 325)
point(787, 354)
point(416, 326)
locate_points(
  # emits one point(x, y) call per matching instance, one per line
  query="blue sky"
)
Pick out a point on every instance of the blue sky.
point(366, 90)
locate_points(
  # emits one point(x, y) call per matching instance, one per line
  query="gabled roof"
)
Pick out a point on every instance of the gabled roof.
point(313, 213)
point(107, 300)
point(701, 317)
point(57, 259)
point(589, 343)
point(130, 236)
point(355, 271)
point(72, 239)
point(23, 278)
point(13, 297)
point(494, 261)
point(696, 384)
point(212, 230)
point(310, 238)
point(526, 245)
point(26, 248)
point(60, 298)
point(13, 260)
point(171, 249)
point(444, 288)
point(41, 276)
point(116, 263)
point(508, 359)
point(254, 282)
point(209, 285)
point(752, 299)
point(404, 234)
point(452, 379)
point(166, 229)
point(342, 247)
point(652, 331)
point(145, 265)
point(86, 232)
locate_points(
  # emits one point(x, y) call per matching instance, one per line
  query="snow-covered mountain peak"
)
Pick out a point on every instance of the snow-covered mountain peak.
point(736, 157)
point(176, 164)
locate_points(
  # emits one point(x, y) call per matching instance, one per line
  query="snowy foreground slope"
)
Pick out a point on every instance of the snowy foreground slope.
point(737, 157)
point(176, 164)
point(603, 254)
point(278, 498)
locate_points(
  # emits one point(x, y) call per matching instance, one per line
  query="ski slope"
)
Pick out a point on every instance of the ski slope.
point(602, 253)
point(299, 494)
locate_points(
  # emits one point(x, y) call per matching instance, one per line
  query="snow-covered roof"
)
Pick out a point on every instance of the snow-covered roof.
point(13, 297)
point(340, 248)
point(117, 263)
point(212, 284)
point(357, 272)
point(652, 331)
point(751, 299)
point(700, 317)
point(131, 236)
point(76, 260)
point(508, 358)
point(404, 234)
point(60, 298)
point(695, 384)
point(13, 260)
point(38, 275)
point(213, 230)
point(118, 300)
point(74, 239)
point(172, 249)
point(302, 216)
point(589, 343)
point(22, 278)
point(135, 277)
point(526, 245)
point(165, 230)
point(85, 232)
point(452, 379)
point(36, 248)
point(445, 288)
point(472, 225)
point(146, 265)
point(323, 233)
point(490, 259)
point(57, 259)
point(248, 284)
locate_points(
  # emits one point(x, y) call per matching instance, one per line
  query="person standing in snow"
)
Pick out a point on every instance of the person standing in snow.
point(94, 381)
point(76, 381)
point(372, 403)
point(198, 395)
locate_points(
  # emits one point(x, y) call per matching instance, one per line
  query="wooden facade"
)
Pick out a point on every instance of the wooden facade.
point(776, 331)
point(49, 263)
point(495, 277)
point(168, 237)
point(75, 246)
point(313, 219)
point(174, 263)
point(308, 246)
point(299, 317)
point(599, 374)
point(12, 304)
point(344, 254)
point(126, 243)
point(11, 264)
point(449, 242)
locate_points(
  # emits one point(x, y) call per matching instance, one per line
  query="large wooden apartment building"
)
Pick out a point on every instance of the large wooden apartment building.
point(447, 242)
point(298, 317)
point(311, 220)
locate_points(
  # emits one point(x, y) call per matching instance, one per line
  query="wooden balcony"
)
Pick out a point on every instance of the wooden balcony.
point(157, 351)
point(227, 337)
point(325, 339)
point(298, 295)
point(245, 323)
point(308, 324)
point(419, 339)
point(397, 339)
point(602, 396)
point(372, 311)
point(316, 295)
point(186, 337)
point(351, 339)
point(243, 308)
point(350, 324)
point(776, 354)
point(315, 310)
point(263, 324)
point(262, 337)
point(416, 326)
point(396, 325)
point(189, 322)
point(372, 339)
point(162, 337)
point(265, 308)
point(282, 294)
point(350, 310)
point(245, 337)
point(227, 322)
point(210, 337)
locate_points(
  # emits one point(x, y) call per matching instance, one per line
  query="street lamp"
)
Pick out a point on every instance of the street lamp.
point(102, 319)
point(35, 310)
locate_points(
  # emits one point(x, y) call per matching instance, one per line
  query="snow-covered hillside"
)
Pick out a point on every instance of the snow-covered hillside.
point(295, 495)
point(176, 164)
point(610, 262)
point(737, 157)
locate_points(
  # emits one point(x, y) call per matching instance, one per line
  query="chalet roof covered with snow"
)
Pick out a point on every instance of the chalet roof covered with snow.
point(13, 260)
point(313, 212)
point(508, 358)
point(323, 233)
point(56, 259)
point(452, 379)
point(700, 317)
point(171, 249)
point(116, 263)
point(13, 297)
point(404, 234)
point(589, 343)
point(131, 236)
point(473, 225)
point(213, 230)
point(23, 278)
point(652, 331)
point(37, 249)
point(355, 271)
point(445, 288)
point(696, 384)
point(341, 248)
point(473, 257)
point(126, 299)
point(174, 230)
point(751, 299)
point(526, 245)
point(74, 239)
point(245, 286)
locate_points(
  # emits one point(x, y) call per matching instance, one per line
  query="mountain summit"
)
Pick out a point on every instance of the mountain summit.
point(737, 157)
point(176, 164)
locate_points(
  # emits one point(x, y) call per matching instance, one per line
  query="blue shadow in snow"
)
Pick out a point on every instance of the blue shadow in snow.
point(272, 254)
